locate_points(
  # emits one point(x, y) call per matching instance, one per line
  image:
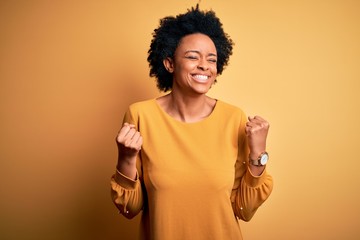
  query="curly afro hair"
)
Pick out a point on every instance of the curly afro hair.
point(171, 30)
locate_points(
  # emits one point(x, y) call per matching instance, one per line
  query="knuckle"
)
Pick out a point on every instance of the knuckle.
point(127, 143)
point(119, 140)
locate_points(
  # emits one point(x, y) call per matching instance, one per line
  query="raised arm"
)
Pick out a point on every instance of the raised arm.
point(126, 187)
point(129, 143)
point(252, 183)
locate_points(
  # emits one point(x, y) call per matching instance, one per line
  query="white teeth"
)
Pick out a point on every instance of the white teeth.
point(201, 77)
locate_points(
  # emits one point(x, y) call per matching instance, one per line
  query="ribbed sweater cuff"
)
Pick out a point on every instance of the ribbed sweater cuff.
point(124, 181)
point(255, 181)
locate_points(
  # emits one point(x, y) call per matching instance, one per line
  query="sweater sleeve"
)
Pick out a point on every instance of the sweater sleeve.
point(249, 191)
point(126, 193)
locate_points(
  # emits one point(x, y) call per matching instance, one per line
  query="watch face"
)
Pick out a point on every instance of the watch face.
point(264, 159)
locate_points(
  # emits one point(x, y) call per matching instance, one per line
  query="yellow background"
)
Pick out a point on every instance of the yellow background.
point(69, 69)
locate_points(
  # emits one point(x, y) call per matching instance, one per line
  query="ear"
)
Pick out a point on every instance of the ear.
point(169, 64)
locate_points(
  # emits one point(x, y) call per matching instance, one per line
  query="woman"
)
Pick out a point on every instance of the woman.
point(192, 164)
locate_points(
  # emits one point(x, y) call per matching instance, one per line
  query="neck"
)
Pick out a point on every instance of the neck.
point(189, 108)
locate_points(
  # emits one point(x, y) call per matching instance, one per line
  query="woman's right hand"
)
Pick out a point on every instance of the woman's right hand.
point(129, 142)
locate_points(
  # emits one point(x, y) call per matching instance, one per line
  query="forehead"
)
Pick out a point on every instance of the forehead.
point(197, 41)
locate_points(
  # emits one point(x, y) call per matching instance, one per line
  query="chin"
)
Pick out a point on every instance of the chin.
point(203, 90)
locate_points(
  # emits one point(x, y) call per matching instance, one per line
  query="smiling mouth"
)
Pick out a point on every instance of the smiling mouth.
point(200, 78)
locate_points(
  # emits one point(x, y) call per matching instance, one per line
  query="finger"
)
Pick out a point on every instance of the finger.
point(259, 122)
point(251, 124)
point(123, 132)
point(135, 137)
point(262, 120)
point(255, 120)
point(129, 124)
point(259, 118)
point(251, 130)
point(262, 123)
point(254, 128)
point(256, 123)
point(129, 138)
point(248, 131)
point(135, 142)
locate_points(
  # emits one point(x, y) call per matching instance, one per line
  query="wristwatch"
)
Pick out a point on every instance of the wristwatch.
point(261, 160)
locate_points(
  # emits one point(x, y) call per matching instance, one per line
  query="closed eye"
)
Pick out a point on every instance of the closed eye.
point(192, 57)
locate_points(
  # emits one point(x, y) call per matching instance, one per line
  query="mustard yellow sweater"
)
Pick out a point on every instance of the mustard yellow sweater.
point(193, 179)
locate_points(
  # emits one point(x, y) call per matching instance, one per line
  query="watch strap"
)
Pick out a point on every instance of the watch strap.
point(257, 162)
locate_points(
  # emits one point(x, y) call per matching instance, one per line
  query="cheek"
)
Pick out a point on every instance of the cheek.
point(214, 69)
point(185, 65)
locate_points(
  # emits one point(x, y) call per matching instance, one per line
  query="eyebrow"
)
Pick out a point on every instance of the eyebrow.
point(198, 52)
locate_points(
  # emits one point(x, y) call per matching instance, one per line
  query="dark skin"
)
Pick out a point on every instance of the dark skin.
point(194, 71)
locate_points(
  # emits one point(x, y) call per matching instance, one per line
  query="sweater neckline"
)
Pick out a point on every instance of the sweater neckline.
point(168, 116)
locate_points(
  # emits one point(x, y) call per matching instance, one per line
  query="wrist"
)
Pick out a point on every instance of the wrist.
point(260, 160)
point(255, 154)
point(127, 168)
point(128, 161)
point(256, 170)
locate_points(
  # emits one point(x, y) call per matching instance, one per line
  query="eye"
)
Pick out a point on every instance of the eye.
point(213, 60)
point(192, 57)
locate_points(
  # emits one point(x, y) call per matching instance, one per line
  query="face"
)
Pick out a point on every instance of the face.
point(193, 65)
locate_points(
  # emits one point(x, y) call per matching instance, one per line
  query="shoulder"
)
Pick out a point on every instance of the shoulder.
point(137, 109)
point(229, 109)
point(142, 106)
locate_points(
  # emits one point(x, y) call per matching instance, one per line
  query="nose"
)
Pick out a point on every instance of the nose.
point(203, 65)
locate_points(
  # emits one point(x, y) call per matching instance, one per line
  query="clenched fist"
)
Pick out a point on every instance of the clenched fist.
point(256, 130)
point(129, 142)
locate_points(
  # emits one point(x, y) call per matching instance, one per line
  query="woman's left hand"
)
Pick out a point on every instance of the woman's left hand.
point(256, 130)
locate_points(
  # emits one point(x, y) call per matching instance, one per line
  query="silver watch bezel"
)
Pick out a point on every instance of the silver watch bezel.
point(258, 162)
